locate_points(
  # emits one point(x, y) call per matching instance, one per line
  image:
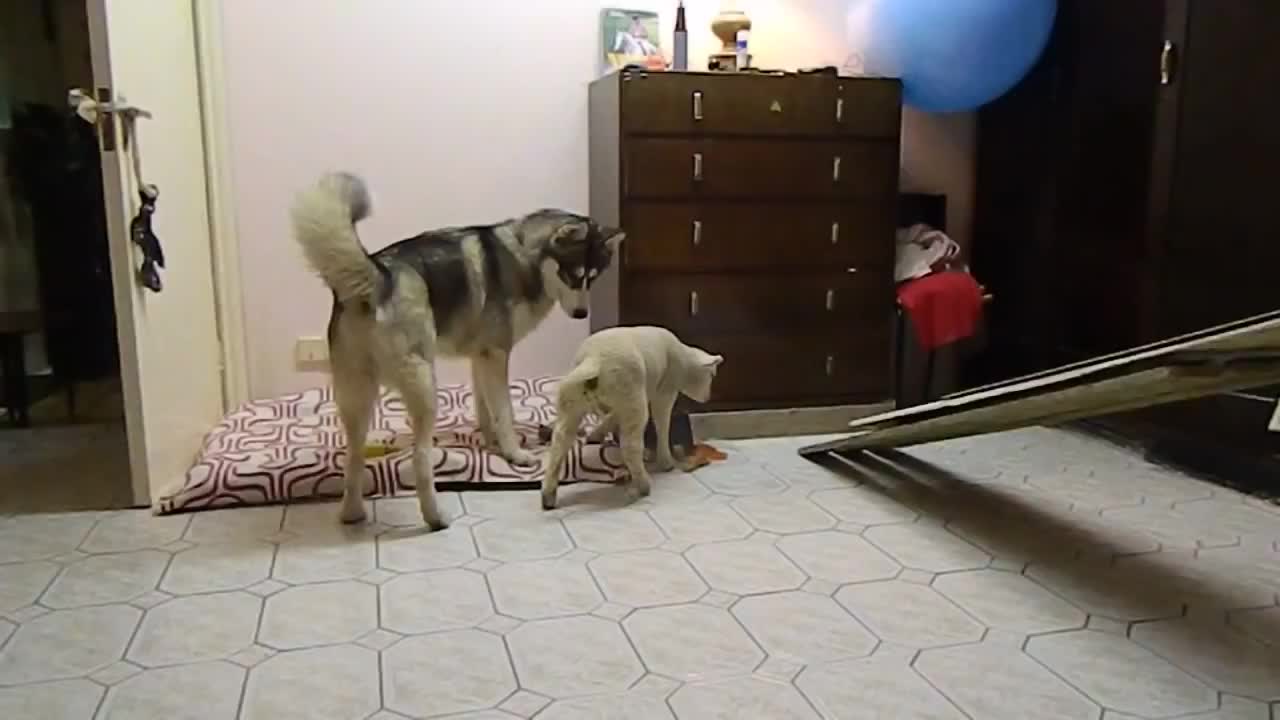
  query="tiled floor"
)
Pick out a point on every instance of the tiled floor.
point(1036, 574)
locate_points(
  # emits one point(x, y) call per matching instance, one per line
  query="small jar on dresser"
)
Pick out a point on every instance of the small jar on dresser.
point(760, 212)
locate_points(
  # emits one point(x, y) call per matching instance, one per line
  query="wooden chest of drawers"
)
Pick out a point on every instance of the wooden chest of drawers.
point(760, 213)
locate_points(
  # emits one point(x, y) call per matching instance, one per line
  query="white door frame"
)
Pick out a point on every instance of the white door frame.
point(225, 239)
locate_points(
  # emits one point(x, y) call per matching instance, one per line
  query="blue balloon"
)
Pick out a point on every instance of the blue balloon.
point(957, 55)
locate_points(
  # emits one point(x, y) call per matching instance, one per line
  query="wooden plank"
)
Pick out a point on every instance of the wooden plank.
point(1260, 335)
point(1208, 333)
point(1144, 388)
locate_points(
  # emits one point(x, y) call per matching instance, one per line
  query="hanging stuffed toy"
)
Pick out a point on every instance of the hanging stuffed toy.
point(145, 238)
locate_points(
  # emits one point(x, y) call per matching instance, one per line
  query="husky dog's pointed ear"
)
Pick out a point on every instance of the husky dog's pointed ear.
point(566, 234)
point(613, 238)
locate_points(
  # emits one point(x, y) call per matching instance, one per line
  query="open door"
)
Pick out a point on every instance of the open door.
point(1234, 356)
point(144, 55)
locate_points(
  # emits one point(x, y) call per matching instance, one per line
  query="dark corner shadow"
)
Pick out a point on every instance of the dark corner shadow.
point(1081, 555)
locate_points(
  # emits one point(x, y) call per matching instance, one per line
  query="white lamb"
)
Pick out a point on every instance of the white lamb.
point(626, 375)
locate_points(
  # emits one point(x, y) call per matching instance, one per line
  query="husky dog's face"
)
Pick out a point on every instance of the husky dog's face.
point(700, 371)
point(579, 251)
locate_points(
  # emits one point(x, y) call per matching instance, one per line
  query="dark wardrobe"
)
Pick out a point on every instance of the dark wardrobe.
point(1129, 190)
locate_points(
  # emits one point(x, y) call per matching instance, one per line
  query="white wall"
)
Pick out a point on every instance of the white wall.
point(456, 113)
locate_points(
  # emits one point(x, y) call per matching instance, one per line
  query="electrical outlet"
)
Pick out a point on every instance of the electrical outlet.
point(311, 353)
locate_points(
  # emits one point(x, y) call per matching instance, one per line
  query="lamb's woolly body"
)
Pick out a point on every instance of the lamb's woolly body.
point(627, 375)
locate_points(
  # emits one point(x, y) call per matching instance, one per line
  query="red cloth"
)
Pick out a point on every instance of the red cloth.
point(944, 307)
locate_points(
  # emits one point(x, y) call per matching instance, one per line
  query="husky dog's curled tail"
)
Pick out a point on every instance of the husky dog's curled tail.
point(324, 224)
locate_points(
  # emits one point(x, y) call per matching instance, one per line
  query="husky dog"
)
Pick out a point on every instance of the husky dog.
point(627, 375)
point(469, 291)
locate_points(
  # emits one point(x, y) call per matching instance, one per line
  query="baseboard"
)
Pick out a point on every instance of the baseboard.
point(741, 424)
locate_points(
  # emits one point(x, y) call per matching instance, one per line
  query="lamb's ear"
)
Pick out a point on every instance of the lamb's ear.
point(613, 238)
point(706, 359)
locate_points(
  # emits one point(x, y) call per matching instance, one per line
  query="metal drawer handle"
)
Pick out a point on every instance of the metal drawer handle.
point(831, 365)
point(831, 300)
point(835, 169)
point(835, 233)
point(697, 104)
point(851, 269)
point(697, 166)
point(697, 232)
point(839, 109)
point(693, 303)
point(1166, 62)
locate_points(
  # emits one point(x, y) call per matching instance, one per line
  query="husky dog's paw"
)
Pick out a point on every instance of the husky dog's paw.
point(548, 500)
point(352, 512)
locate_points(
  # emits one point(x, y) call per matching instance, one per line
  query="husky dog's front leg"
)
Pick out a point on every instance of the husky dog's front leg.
point(493, 368)
point(484, 419)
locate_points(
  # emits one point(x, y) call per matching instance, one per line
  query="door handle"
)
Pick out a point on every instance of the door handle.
point(1168, 62)
point(697, 166)
point(697, 104)
point(697, 232)
point(693, 303)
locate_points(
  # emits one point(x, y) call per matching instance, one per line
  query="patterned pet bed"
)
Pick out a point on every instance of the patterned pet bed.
point(291, 448)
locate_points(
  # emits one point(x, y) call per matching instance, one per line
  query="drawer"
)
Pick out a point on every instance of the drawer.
point(844, 304)
point(692, 103)
point(738, 236)
point(761, 169)
point(760, 369)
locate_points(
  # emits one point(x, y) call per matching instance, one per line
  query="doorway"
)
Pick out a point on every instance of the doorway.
point(63, 442)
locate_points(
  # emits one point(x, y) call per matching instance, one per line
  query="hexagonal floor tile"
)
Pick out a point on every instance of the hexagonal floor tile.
point(745, 567)
point(803, 628)
point(997, 682)
point(692, 642)
point(1217, 653)
point(26, 538)
point(741, 698)
point(873, 688)
point(67, 644)
point(433, 601)
point(196, 628)
point(838, 557)
point(908, 614)
point(23, 583)
point(1172, 527)
point(926, 547)
point(405, 512)
point(1229, 578)
point(310, 615)
point(106, 579)
point(69, 699)
point(508, 540)
point(629, 706)
point(784, 514)
point(1117, 673)
point(575, 656)
point(339, 681)
point(1232, 709)
point(646, 578)
point(217, 567)
point(449, 672)
point(1230, 515)
point(129, 530)
point(1009, 601)
point(1079, 485)
point(701, 523)
point(207, 691)
point(1108, 590)
point(611, 532)
point(544, 589)
point(1262, 624)
point(235, 526)
point(325, 556)
point(740, 478)
point(414, 550)
point(864, 505)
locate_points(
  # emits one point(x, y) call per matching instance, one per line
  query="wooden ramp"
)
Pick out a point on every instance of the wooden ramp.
point(1229, 357)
